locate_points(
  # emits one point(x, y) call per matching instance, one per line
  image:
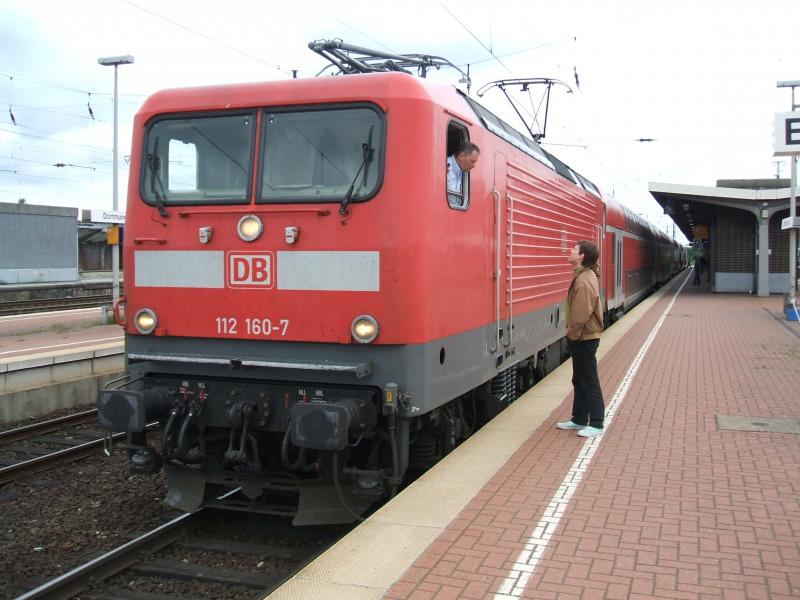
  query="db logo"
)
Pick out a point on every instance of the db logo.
point(249, 270)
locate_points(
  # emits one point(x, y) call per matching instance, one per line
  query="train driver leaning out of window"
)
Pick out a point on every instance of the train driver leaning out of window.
point(464, 159)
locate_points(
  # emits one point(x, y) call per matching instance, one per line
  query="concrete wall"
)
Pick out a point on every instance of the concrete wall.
point(39, 384)
point(746, 282)
point(734, 282)
point(779, 283)
point(38, 244)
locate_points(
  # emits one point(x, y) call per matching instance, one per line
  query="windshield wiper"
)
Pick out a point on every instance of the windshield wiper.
point(155, 178)
point(367, 155)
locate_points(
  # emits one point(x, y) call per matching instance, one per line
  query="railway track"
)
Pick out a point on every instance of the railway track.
point(182, 557)
point(20, 433)
point(41, 305)
point(218, 553)
point(30, 448)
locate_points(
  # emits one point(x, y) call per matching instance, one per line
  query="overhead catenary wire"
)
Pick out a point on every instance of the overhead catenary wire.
point(19, 115)
point(350, 26)
point(207, 37)
point(66, 88)
point(489, 50)
point(27, 161)
point(23, 175)
point(46, 83)
point(475, 37)
point(50, 140)
point(50, 164)
point(479, 61)
point(21, 109)
point(11, 100)
point(68, 154)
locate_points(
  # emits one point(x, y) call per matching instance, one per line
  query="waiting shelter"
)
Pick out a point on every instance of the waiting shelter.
point(739, 222)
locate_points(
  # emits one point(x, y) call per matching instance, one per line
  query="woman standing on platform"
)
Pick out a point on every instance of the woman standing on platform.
point(584, 326)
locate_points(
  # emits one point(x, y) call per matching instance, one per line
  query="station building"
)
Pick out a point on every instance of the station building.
point(739, 224)
point(39, 244)
point(48, 244)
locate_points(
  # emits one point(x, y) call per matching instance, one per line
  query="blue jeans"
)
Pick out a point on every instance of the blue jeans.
point(587, 406)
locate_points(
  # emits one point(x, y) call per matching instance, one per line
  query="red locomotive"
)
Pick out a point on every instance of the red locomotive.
point(309, 312)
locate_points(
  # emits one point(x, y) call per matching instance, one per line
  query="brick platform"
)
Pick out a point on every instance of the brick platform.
point(670, 504)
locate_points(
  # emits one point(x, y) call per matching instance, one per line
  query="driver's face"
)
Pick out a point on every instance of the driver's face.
point(467, 161)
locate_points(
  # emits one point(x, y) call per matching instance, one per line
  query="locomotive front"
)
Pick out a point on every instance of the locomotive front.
point(255, 302)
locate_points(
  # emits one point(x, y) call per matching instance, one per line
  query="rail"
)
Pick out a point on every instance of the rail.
point(47, 461)
point(75, 451)
point(21, 433)
point(140, 557)
point(31, 306)
point(118, 559)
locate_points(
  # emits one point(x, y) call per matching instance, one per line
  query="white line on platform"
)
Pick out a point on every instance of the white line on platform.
point(529, 558)
point(110, 339)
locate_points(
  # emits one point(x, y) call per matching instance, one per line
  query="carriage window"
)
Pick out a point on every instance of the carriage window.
point(457, 185)
point(321, 155)
point(197, 160)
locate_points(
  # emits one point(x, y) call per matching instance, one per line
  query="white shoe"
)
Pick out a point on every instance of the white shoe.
point(569, 425)
point(590, 431)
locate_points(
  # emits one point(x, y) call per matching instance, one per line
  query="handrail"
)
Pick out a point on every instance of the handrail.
point(322, 212)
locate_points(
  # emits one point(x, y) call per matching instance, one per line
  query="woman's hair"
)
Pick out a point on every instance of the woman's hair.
point(590, 253)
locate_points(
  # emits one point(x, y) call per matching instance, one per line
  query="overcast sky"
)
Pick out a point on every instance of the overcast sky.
point(699, 78)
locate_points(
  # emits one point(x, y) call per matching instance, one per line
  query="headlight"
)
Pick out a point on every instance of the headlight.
point(145, 321)
point(249, 228)
point(364, 329)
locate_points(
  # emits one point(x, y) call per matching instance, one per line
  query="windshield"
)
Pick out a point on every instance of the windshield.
point(314, 155)
point(198, 160)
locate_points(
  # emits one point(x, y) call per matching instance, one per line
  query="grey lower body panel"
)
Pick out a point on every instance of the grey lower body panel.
point(427, 374)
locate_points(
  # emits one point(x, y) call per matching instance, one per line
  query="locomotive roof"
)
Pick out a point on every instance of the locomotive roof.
point(319, 90)
point(349, 88)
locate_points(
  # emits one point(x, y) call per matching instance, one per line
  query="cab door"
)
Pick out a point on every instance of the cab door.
point(614, 270)
point(618, 271)
point(501, 260)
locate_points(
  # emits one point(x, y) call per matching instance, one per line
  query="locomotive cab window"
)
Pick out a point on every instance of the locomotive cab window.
point(321, 154)
point(197, 160)
point(457, 180)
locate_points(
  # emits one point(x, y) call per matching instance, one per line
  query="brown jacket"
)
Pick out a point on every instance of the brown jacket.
point(584, 314)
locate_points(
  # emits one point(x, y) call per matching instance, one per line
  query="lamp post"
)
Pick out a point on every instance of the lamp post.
point(108, 61)
point(792, 204)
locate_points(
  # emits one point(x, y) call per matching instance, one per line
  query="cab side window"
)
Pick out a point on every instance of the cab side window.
point(457, 181)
